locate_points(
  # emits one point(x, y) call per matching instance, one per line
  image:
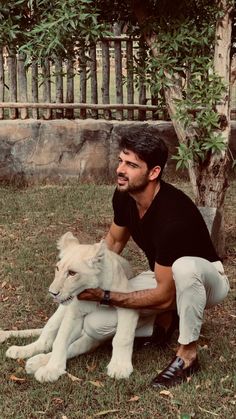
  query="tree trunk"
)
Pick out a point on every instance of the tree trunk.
point(209, 180)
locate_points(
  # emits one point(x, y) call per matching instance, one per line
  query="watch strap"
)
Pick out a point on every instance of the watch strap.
point(106, 298)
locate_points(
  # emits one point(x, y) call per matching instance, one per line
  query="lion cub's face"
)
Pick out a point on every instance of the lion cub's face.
point(78, 268)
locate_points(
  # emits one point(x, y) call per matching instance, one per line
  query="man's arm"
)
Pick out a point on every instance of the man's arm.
point(117, 238)
point(161, 297)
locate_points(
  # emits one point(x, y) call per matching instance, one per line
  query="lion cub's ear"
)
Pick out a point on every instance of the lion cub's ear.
point(66, 240)
point(99, 255)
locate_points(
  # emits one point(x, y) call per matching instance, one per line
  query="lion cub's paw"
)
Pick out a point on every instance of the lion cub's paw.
point(119, 370)
point(35, 362)
point(15, 352)
point(48, 374)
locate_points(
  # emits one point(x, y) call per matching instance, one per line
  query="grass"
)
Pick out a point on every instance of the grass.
point(31, 221)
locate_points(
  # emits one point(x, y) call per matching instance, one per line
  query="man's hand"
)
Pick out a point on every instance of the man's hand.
point(160, 298)
point(91, 294)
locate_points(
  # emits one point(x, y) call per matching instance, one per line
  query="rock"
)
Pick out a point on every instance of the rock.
point(214, 221)
point(33, 151)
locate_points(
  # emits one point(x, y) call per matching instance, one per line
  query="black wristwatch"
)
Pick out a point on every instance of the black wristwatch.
point(105, 301)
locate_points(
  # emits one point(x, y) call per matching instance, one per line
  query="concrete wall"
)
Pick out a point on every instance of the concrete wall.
point(33, 151)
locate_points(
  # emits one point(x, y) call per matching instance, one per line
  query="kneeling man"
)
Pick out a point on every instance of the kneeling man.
point(185, 271)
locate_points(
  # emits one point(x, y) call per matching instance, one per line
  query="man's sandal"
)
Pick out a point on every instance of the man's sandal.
point(175, 373)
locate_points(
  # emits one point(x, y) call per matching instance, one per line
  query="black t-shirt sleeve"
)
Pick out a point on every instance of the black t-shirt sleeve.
point(119, 202)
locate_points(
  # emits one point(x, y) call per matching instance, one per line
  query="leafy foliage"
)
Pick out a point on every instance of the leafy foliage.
point(198, 109)
point(41, 28)
point(185, 44)
point(14, 21)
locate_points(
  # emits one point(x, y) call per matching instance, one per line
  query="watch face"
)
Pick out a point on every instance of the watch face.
point(106, 298)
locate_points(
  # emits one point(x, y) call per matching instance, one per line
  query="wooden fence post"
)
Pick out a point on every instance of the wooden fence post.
point(59, 85)
point(34, 87)
point(118, 72)
point(93, 79)
point(130, 77)
point(47, 114)
point(142, 86)
point(12, 77)
point(83, 81)
point(106, 77)
point(22, 85)
point(69, 113)
point(2, 82)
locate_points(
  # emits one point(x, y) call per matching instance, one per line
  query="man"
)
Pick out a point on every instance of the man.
point(185, 271)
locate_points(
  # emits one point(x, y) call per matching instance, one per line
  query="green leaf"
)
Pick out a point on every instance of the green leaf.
point(186, 416)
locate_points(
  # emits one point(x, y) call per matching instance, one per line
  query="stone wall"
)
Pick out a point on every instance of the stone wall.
point(33, 151)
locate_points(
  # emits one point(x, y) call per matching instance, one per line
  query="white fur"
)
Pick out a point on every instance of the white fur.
point(94, 266)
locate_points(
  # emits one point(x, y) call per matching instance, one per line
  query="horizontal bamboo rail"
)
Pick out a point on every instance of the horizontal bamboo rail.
point(119, 38)
point(44, 105)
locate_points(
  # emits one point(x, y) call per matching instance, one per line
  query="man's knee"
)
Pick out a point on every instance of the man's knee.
point(185, 272)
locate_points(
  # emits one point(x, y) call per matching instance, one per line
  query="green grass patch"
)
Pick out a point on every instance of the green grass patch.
point(31, 221)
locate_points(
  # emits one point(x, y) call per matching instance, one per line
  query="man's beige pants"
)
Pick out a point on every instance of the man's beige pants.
point(199, 284)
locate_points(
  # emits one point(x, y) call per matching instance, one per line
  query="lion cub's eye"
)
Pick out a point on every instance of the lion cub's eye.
point(71, 273)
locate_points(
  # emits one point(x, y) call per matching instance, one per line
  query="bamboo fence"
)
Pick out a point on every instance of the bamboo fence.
point(101, 84)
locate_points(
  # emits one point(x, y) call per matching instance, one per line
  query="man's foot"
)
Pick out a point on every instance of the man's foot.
point(175, 373)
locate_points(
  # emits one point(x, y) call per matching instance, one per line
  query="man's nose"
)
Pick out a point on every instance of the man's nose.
point(120, 167)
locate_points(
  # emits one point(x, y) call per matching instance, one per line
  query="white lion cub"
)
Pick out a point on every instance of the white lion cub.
point(80, 266)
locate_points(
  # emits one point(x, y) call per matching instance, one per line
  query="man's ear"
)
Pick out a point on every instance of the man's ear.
point(154, 173)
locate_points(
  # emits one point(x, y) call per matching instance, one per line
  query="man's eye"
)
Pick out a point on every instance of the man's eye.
point(71, 273)
point(133, 165)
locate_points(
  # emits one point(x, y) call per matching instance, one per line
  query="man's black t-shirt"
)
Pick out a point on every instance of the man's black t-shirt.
point(172, 226)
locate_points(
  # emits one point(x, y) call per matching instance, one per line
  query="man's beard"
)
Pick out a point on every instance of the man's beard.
point(133, 187)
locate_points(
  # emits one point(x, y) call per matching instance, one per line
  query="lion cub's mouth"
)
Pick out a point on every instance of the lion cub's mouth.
point(65, 301)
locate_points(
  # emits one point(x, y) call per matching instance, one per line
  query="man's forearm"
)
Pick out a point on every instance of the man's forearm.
point(141, 299)
point(149, 298)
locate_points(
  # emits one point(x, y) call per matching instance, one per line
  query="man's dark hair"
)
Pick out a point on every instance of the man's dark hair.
point(147, 145)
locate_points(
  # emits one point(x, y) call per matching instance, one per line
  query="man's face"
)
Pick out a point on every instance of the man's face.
point(132, 173)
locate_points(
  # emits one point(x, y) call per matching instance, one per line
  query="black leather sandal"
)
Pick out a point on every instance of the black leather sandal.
point(175, 373)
